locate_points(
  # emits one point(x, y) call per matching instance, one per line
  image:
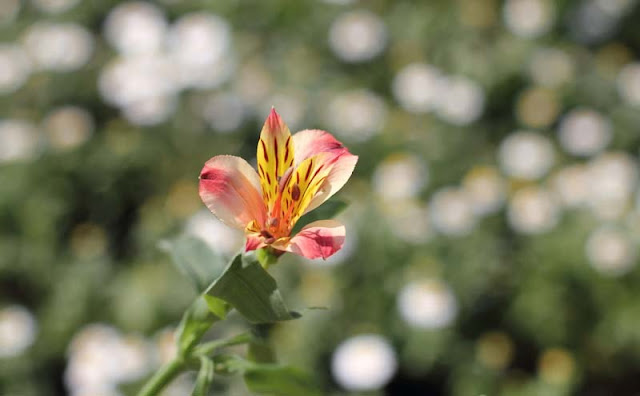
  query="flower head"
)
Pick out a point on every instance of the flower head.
point(296, 174)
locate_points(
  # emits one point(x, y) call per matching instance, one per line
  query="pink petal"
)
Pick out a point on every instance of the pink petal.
point(319, 239)
point(230, 188)
point(310, 142)
point(254, 242)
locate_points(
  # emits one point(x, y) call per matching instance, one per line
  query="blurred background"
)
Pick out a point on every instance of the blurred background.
point(494, 224)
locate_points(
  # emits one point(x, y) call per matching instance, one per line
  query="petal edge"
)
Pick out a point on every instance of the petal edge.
point(230, 188)
point(320, 239)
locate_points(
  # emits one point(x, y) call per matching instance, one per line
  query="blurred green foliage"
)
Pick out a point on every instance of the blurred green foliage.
point(80, 226)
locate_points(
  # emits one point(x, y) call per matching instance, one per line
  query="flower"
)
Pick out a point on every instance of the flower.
point(296, 174)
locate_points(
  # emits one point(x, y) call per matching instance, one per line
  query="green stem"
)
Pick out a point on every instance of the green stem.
point(211, 346)
point(162, 377)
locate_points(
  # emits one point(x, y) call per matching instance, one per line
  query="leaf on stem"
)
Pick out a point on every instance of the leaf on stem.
point(277, 380)
point(250, 289)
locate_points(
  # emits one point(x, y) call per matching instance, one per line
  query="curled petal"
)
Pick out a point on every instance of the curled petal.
point(275, 155)
point(341, 171)
point(319, 239)
point(230, 188)
point(310, 142)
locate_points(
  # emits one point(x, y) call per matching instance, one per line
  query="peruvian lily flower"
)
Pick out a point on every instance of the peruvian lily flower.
point(296, 174)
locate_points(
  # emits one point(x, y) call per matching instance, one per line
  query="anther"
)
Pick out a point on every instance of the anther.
point(295, 192)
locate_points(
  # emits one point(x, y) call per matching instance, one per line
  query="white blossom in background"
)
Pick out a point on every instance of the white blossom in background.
point(224, 240)
point(551, 67)
point(610, 251)
point(571, 185)
point(100, 358)
point(143, 86)
point(18, 330)
point(68, 126)
point(224, 112)
point(136, 27)
point(461, 100)
point(9, 10)
point(629, 84)
point(400, 176)
point(166, 347)
point(613, 179)
point(418, 87)
point(55, 6)
point(253, 83)
point(157, 61)
point(591, 23)
point(533, 210)
point(19, 140)
point(528, 18)
point(356, 115)
point(526, 155)
point(486, 189)
point(200, 46)
point(409, 221)
point(150, 111)
point(128, 80)
point(357, 36)
point(584, 132)
point(451, 212)
point(181, 386)
point(427, 304)
point(59, 47)
point(616, 7)
point(363, 362)
point(15, 68)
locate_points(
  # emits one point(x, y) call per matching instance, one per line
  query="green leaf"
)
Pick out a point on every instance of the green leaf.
point(196, 320)
point(327, 210)
point(195, 260)
point(247, 287)
point(205, 377)
point(276, 380)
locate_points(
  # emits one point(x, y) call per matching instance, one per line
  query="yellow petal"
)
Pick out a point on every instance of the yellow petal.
point(275, 155)
point(303, 184)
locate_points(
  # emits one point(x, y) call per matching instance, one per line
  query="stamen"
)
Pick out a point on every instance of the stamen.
point(295, 192)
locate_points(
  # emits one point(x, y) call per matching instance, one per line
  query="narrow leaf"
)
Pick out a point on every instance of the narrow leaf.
point(195, 260)
point(247, 287)
point(205, 377)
